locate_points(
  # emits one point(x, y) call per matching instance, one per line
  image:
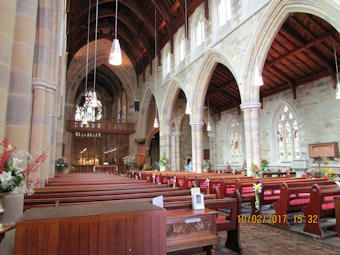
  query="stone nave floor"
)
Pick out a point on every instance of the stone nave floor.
point(263, 239)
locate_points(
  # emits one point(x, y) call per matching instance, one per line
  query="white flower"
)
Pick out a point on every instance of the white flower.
point(16, 162)
point(258, 187)
point(6, 179)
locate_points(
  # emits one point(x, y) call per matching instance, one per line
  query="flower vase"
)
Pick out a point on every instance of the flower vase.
point(2, 210)
point(162, 168)
point(13, 205)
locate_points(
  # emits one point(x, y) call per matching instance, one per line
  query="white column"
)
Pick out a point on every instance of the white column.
point(178, 150)
point(212, 150)
point(252, 135)
point(197, 145)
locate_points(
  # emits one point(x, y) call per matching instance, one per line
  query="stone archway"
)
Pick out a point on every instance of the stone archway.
point(271, 23)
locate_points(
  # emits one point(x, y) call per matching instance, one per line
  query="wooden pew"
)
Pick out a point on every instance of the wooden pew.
point(116, 196)
point(293, 199)
point(321, 205)
point(123, 190)
point(229, 223)
point(271, 191)
point(142, 199)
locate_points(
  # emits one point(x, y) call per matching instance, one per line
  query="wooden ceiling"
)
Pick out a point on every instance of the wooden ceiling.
point(223, 92)
point(106, 82)
point(301, 52)
point(135, 25)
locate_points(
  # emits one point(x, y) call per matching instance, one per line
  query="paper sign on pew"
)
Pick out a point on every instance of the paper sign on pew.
point(158, 201)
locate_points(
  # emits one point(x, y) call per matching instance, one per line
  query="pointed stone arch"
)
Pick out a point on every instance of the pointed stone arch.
point(203, 76)
point(266, 32)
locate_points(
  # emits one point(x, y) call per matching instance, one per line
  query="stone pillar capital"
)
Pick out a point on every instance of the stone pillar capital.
point(40, 83)
point(164, 133)
point(211, 134)
point(250, 106)
point(196, 123)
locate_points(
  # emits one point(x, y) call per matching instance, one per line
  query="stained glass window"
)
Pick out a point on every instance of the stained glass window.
point(287, 134)
point(235, 143)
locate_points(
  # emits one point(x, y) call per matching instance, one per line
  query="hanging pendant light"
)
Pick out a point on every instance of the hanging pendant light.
point(187, 108)
point(115, 57)
point(337, 96)
point(258, 80)
point(208, 125)
point(81, 109)
point(155, 122)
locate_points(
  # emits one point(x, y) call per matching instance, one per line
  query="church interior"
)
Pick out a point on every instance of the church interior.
point(169, 127)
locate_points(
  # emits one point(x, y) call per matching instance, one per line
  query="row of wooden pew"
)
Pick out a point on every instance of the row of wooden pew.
point(87, 188)
point(313, 197)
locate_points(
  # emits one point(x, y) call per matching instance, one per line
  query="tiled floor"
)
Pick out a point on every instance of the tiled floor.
point(258, 239)
point(264, 239)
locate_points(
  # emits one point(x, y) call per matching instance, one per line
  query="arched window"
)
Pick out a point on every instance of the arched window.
point(166, 61)
point(235, 141)
point(287, 134)
point(199, 31)
point(180, 48)
point(223, 11)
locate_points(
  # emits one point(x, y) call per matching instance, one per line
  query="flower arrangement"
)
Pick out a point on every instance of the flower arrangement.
point(164, 162)
point(129, 160)
point(13, 174)
point(256, 171)
point(206, 165)
point(264, 165)
point(61, 165)
point(257, 189)
point(147, 167)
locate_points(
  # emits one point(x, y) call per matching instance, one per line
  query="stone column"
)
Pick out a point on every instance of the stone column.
point(197, 145)
point(173, 152)
point(178, 150)
point(47, 143)
point(212, 150)
point(252, 135)
point(37, 126)
point(164, 144)
point(7, 19)
point(19, 95)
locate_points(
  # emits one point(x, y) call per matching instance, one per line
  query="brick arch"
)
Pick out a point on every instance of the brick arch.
point(270, 24)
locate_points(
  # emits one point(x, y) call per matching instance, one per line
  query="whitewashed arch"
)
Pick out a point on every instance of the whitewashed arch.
point(268, 28)
point(169, 101)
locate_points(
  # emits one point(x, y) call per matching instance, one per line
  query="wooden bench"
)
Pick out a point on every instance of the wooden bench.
point(229, 223)
point(271, 191)
point(117, 196)
point(321, 205)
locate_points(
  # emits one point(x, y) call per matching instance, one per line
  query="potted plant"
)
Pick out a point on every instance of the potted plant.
point(14, 180)
point(129, 161)
point(163, 163)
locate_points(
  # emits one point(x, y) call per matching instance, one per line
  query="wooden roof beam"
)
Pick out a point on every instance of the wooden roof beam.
point(301, 48)
point(285, 78)
point(314, 51)
point(167, 19)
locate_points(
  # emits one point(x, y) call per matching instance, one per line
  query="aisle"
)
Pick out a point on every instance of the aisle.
point(261, 239)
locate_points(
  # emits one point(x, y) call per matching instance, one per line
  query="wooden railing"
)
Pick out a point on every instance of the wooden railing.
point(103, 127)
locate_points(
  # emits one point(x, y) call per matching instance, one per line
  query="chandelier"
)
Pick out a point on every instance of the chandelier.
point(89, 108)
